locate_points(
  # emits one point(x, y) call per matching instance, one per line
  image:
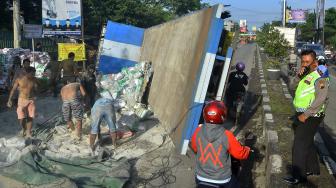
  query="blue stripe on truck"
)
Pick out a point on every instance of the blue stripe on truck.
point(113, 65)
point(195, 113)
point(121, 47)
point(124, 33)
point(217, 26)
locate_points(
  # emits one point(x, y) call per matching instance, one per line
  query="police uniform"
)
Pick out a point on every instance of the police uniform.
point(310, 100)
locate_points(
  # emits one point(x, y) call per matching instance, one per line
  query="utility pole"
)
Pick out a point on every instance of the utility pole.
point(321, 21)
point(317, 19)
point(284, 14)
point(320, 15)
point(16, 23)
point(82, 28)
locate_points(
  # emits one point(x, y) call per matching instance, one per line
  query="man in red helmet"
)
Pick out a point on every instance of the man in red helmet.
point(213, 145)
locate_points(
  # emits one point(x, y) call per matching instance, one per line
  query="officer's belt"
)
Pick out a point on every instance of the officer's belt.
point(301, 110)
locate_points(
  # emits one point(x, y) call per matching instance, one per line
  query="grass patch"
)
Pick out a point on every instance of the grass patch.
point(279, 104)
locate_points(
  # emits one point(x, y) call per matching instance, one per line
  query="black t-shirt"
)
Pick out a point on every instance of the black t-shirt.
point(237, 80)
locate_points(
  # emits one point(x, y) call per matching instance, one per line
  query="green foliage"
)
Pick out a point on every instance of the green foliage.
point(133, 12)
point(5, 15)
point(141, 13)
point(330, 27)
point(30, 10)
point(273, 42)
point(181, 7)
point(308, 29)
point(273, 63)
point(332, 41)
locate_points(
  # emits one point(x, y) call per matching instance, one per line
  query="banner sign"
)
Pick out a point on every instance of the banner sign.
point(254, 28)
point(61, 17)
point(296, 16)
point(65, 48)
point(243, 26)
point(31, 31)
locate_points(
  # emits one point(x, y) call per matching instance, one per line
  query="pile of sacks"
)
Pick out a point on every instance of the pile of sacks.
point(39, 60)
point(127, 88)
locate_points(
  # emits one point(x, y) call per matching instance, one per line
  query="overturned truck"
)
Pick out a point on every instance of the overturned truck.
point(168, 67)
point(183, 53)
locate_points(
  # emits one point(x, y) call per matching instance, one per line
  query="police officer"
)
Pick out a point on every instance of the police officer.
point(310, 105)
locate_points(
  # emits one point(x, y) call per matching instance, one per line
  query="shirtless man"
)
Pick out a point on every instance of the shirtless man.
point(26, 84)
point(72, 105)
point(21, 72)
point(69, 69)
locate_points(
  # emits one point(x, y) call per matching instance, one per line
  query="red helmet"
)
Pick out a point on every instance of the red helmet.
point(215, 112)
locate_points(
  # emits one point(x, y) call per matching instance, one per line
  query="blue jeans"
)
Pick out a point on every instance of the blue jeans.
point(103, 110)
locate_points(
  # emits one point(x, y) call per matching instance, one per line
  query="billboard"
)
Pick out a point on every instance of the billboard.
point(243, 26)
point(296, 16)
point(32, 31)
point(61, 17)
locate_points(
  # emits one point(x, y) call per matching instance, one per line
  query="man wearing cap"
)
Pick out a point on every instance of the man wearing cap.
point(310, 105)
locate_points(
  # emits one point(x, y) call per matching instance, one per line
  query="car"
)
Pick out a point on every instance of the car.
point(299, 45)
point(318, 48)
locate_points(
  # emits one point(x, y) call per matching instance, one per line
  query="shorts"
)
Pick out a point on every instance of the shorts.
point(25, 107)
point(103, 109)
point(69, 79)
point(72, 108)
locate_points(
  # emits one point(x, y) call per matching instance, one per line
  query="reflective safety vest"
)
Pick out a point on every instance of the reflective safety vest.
point(305, 92)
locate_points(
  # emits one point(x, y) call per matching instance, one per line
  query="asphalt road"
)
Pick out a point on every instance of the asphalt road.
point(245, 54)
point(328, 130)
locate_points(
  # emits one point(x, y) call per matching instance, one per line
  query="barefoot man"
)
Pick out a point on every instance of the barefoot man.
point(26, 84)
point(72, 106)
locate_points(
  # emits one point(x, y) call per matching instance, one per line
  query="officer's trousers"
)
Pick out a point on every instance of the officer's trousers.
point(304, 154)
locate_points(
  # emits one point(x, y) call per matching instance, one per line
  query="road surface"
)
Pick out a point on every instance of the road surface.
point(328, 130)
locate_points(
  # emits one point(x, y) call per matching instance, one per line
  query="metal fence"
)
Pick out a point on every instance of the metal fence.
point(48, 44)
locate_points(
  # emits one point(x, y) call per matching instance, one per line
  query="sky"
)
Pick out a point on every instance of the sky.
point(257, 12)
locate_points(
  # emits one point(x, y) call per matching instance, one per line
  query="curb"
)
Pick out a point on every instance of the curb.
point(273, 157)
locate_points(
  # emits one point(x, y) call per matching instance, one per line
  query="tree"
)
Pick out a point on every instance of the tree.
point(308, 29)
point(30, 10)
point(134, 12)
point(182, 7)
point(330, 27)
point(6, 21)
point(273, 42)
point(141, 13)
